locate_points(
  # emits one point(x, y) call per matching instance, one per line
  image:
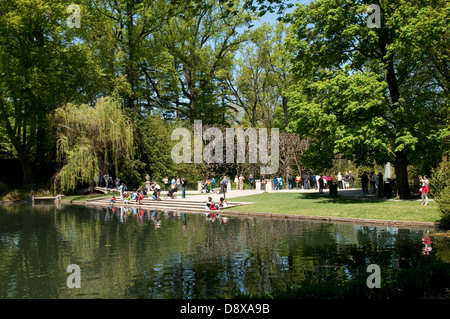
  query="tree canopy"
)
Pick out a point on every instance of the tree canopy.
point(365, 92)
point(334, 86)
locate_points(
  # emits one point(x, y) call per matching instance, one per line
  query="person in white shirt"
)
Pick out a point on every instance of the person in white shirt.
point(166, 183)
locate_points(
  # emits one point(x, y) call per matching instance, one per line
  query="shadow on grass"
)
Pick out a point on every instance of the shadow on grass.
point(340, 199)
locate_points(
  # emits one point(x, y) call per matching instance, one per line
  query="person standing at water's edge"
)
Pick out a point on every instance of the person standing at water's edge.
point(183, 187)
point(424, 189)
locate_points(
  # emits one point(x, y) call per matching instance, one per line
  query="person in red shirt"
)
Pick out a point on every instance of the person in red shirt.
point(330, 180)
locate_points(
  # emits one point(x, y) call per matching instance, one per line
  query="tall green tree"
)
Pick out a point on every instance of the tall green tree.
point(258, 83)
point(121, 32)
point(195, 49)
point(361, 92)
point(92, 141)
point(40, 68)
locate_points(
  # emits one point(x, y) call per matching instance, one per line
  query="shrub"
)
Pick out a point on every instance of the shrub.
point(443, 202)
point(440, 178)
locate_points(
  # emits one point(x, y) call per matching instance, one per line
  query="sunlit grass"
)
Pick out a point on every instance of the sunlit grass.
point(324, 205)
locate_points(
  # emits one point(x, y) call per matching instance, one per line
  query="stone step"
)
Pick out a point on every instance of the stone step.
point(163, 204)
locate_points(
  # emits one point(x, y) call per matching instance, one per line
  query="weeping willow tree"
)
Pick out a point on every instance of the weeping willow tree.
point(91, 141)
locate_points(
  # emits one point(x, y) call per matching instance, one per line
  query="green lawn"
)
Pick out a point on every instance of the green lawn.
point(324, 205)
point(84, 197)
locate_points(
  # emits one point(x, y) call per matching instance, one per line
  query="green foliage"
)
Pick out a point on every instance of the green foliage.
point(91, 141)
point(428, 281)
point(444, 207)
point(261, 77)
point(41, 67)
point(440, 178)
point(345, 117)
point(372, 93)
point(440, 190)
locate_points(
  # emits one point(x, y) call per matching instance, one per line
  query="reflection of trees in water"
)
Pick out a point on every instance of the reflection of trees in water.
point(187, 256)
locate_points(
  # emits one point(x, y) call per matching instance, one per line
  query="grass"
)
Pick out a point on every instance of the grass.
point(324, 205)
point(84, 197)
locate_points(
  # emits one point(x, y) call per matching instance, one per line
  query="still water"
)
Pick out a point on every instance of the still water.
point(156, 254)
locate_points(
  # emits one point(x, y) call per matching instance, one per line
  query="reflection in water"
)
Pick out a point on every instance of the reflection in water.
point(134, 253)
point(426, 240)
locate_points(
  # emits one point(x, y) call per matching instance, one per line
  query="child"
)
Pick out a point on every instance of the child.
point(140, 198)
point(113, 199)
point(126, 198)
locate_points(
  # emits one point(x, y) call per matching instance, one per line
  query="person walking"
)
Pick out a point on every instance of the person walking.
point(241, 182)
point(236, 181)
point(424, 189)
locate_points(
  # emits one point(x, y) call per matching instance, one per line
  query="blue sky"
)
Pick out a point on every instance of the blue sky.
point(272, 17)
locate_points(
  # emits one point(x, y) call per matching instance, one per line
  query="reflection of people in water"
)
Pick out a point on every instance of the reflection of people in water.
point(184, 221)
point(426, 240)
point(141, 217)
point(156, 217)
point(212, 217)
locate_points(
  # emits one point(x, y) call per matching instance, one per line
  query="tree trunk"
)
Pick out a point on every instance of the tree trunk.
point(27, 171)
point(285, 111)
point(401, 173)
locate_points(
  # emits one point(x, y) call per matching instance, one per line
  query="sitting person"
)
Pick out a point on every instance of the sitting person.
point(140, 197)
point(156, 191)
point(155, 194)
point(210, 204)
point(113, 199)
point(223, 202)
point(126, 198)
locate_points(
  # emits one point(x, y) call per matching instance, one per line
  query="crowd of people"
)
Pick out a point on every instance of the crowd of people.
point(369, 182)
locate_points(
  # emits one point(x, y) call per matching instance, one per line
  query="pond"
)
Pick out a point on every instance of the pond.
point(155, 254)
